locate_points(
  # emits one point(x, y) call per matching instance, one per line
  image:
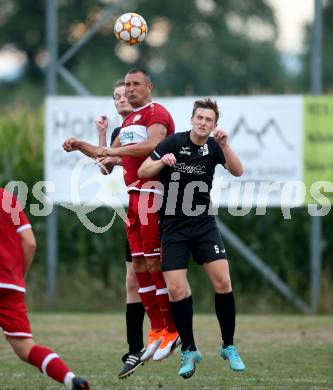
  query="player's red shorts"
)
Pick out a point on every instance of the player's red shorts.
point(13, 314)
point(143, 230)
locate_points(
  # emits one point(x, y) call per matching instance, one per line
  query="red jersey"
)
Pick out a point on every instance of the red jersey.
point(134, 131)
point(12, 222)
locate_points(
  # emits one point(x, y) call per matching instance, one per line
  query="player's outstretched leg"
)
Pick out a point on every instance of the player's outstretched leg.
point(47, 361)
point(188, 362)
point(50, 364)
point(230, 353)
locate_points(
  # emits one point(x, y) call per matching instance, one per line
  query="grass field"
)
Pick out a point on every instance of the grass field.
point(281, 352)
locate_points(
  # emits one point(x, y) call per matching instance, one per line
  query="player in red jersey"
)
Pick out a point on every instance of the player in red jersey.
point(134, 308)
point(17, 249)
point(141, 131)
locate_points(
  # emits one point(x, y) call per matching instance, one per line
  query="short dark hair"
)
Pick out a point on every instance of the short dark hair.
point(140, 70)
point(206, 103)
point(118, 83)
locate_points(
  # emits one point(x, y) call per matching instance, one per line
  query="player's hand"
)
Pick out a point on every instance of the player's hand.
point(221, 136)
point(71, 144)
point(169, 159)
point(102, 124)
point(104, 151)
point(107, 161)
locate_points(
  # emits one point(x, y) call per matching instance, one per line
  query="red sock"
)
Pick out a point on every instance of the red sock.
point(163, 300)
point(48, 363)
point(147, 292)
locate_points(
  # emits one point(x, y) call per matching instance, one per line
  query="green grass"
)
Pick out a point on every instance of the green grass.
point(281, 352)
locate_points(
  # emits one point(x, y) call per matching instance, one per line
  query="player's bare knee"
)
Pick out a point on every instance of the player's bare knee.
point(177, 291)
point(21, 347)
point(139, 264)
point(222, 285)
point(132, 284)
point(153, 264)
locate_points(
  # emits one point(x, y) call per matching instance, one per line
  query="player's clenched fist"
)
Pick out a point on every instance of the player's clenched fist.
point(221, 136)
point(169, 159)
point(71, 144)
point(102, 123)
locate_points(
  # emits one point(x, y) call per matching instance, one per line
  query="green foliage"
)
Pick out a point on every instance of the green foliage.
point(221, 48)
point(21, 145)
point(327, 52)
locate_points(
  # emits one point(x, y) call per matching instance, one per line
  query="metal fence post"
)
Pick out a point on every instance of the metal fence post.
point(316, 221)
point(51, 89)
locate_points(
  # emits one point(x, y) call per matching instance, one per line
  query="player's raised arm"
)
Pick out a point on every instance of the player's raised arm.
point(151, 168)
point(102, 124)
point(161, 157)
point(106, 164)
point(232, 162)
point(155, 134)
point(72, 144)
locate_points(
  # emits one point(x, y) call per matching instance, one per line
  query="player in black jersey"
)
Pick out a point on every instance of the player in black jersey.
point(134, 308)
point(186, 162)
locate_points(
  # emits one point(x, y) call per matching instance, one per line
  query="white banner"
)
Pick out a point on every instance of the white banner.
point(266, 132)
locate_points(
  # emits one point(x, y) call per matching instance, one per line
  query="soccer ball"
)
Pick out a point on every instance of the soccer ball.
point(130, 28)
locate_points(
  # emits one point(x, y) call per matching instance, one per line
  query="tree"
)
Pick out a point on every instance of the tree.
point(327, 51)
point(202, 47)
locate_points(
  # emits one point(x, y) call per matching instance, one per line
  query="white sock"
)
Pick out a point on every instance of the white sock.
point(68, 381)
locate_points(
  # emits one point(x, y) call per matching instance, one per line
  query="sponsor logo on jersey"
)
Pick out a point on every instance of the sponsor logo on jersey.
point(203, 150)
point(126, 136)
point(185, 150)
point(196, 169)
point(136, 118)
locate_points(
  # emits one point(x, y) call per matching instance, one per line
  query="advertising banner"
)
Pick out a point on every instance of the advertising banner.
point(284, 142)
point(318, 146)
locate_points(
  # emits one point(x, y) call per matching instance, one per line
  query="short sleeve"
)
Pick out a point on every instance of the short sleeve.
point(168, 145)
point(160, 115)
point(114, 135)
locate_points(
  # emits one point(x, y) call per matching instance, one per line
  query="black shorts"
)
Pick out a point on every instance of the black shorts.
point(181, 236)
point(127, 251)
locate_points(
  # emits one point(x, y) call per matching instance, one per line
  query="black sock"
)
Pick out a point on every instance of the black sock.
point(134, 322)
point(182, 315)
point(226, 314)
point(190, 303)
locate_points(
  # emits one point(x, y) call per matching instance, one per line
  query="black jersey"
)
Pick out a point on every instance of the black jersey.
point(187, 185)
point(115, 134)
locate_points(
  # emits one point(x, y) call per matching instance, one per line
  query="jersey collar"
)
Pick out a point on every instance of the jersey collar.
point(140, 108)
